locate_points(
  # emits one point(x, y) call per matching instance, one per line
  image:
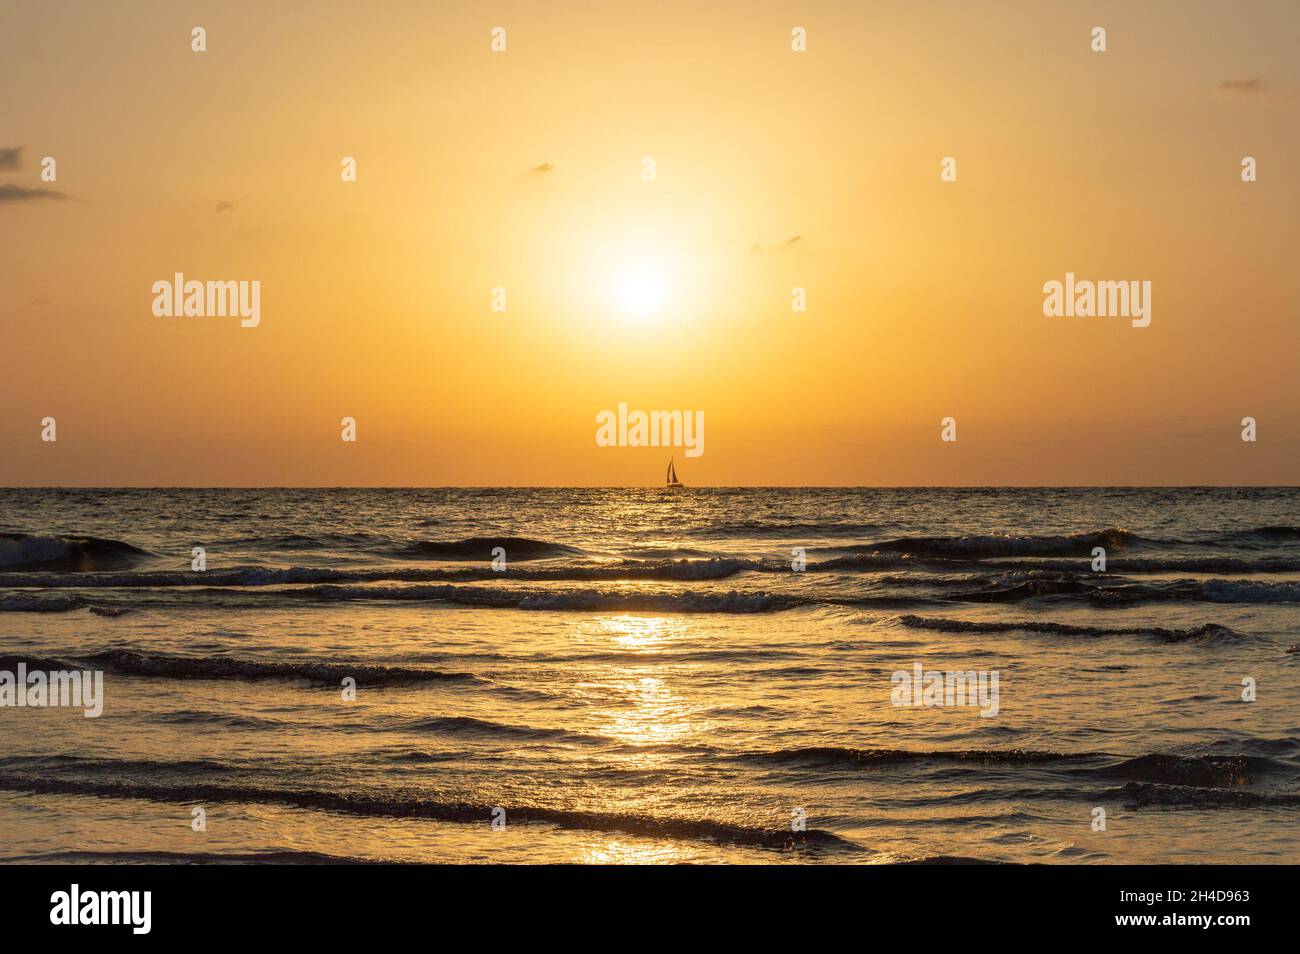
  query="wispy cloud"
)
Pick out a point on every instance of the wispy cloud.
point(15, 193)
point(11, 157)
point(1243, 87)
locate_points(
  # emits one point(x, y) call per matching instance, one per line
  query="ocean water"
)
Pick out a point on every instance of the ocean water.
point(648, 678)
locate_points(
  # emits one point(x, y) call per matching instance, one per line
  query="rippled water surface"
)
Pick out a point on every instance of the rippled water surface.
point(646, 677)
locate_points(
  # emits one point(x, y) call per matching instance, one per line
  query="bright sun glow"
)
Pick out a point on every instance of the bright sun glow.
point(641, 290)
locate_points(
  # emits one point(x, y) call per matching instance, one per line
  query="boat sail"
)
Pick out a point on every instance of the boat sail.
point(672, 475)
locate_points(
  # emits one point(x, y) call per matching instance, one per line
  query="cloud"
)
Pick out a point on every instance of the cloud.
point(544, 167)
point(14, 193)
point(224, 206)
point(1243, 87)
point(11, 157)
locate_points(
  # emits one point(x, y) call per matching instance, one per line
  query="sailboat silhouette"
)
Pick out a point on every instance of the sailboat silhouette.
point(672, 475)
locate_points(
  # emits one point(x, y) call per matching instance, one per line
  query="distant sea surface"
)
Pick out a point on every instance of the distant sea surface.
point(647, 677)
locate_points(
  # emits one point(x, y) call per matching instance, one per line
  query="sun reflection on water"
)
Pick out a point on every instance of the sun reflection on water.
point(646, 706)
point(625, 852)
point(642, 632)
point(651, 712)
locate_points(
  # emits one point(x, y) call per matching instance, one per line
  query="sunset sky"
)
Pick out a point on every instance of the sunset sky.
point(523, 170)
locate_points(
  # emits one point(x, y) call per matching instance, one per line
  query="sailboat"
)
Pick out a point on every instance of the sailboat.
point(673, 482)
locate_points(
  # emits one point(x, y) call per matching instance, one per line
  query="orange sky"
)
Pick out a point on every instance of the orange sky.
point(924, 297)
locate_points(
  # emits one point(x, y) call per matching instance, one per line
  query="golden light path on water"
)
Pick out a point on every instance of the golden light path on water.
point(648, 712)
point(630, 852)
point(651, 712)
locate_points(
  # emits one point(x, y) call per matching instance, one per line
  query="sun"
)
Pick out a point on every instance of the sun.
point(642, 289)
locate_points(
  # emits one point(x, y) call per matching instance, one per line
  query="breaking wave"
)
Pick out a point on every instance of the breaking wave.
point(993, 545)
point(20, 550)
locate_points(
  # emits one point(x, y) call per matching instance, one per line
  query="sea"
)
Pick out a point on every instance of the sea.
point(595, 676)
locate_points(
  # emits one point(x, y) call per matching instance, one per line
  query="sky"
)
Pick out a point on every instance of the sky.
point(524, 170)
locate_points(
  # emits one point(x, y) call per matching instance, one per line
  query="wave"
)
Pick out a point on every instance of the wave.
point(465, 725)
point(1208, 632)
point(1098, 590)
point(586, 599)
point(237, 587)
point(36, 603)
point(868, 562)
point(480, 548)
point(1113, 591)
point(1250, 591)
point(225, 720)
point(39, 603)
point(1158, 768)
point(872, 561)
point(1210, 564)
point(682, 569)
point(60, 760)
point(566, 600)
point(1116, 592)
point(836, 756)
point(1155, 794)
point(1220, 771)
point(252, 576)
point(1105, 590)
point(981, 546)
point(397, 805)
point(20, 550)
point(1267, 535)
point(993, 545)
point(1230, 771)
point(130, 662)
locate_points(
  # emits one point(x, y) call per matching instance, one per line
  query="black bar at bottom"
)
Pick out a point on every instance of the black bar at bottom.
point(299, 904)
